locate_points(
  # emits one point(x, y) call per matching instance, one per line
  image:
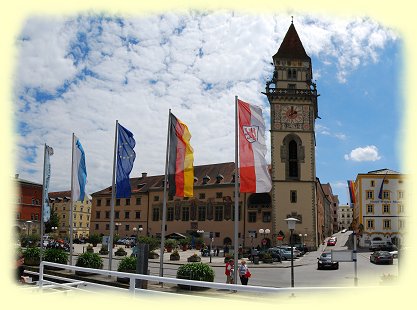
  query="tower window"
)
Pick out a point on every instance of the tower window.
point(292, 74)
point(293, 162)
point(293, 196)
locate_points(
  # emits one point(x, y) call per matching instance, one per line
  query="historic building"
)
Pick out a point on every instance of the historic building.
point(379, 212)
point(293, 98)
point(334, 202)
point(28, 206)
point(60, 203)
point(344, 217)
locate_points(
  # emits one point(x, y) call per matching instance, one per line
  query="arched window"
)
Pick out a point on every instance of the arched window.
point(292, 159)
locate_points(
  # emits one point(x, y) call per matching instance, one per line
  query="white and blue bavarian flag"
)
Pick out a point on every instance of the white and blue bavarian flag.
point(79, 172)
point(46, 212)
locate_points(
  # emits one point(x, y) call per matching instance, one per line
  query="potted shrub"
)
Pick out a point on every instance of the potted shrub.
point(170, 244)
point(90, 248)
point(120, 252)
point(127, 264)
point(88, 260)
point(32, 256)
point(103, 250)
point(267, 258)
point(153, 254)
point(175, 255)
point(194, 258)
point(184, 244)
point(55, 256)
point(95, 239)
point(197, 272)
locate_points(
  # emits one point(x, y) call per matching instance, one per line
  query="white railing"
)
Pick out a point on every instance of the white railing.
point(213, 285)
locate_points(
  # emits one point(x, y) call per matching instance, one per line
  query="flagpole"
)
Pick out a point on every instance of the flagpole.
point(113, 197)
point(43, 202)
point(236, 227)
point(161, 257)
point(72, 197)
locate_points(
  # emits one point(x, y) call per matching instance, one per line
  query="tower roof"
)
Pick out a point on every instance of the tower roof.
point(291, 46)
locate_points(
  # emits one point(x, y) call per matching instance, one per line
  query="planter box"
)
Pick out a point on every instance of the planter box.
point(153, 255)
point(125, 280)
point(120, 253)
point(194, 259)
point(32, 261)
point(174, 258)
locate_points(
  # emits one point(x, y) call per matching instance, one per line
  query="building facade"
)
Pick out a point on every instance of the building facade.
point(344, 217)
point(379, 212)
point(28, 206)
point(60, 203)
point(293, 99)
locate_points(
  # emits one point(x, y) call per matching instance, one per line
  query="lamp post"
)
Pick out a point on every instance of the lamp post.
point(54, 229)
point(291, 226)
point(29, 226)
point(137, 231)
point(117, 227)
point(264, 232)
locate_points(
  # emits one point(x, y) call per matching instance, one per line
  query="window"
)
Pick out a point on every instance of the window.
point(185, 214)
point(138, 200)
point(369, 194)
point(370, 208)
point(218, 213)
point(97, 214)
point(219, 195)
point(88, 217)
point(170, 214)
point(127, 214)
point(202, 196)
point(266, 217)
point(98, 202)
point(118, 202)
point(156, 198)
point(127, 201)
point(217, 234)
point(202, 213)
point(116, 214)
point(385, 208)
point(400, 208)
point(293, 196)
point(127, 227)
point(155, 214)
point(401, 224)
point(18, 216)
point(252, 217)
point(387, 224)
point(63, 208)
point(107, 214)
point(137, 214)
point(386, 195)
point(107, 202)
point(81, 216)
point(292, 74)
point(400, 194)
point(36, 217)
point(107, 226)
point(293, 161)
point(96, 227)
point(370, 224)
point(372, 183)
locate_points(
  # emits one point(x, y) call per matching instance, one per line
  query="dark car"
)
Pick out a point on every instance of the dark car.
point(325, 261)
point(381, 257)
point(275, 253)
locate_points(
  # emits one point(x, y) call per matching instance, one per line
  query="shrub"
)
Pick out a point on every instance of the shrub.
point(94, 239)
point(56, 256)
point(89, 260)
point(153, 243)
point(127, 264)
point(175, 255)
point(194, 258)
point(32, 256)
point(195, 271)
point(90, 248)
point(103, 250)
point(120, 252)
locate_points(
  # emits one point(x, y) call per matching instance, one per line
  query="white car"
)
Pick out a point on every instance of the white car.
point(394, 254)
point(344, 230)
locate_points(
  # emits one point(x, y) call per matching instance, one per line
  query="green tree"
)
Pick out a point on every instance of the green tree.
point(53, 221)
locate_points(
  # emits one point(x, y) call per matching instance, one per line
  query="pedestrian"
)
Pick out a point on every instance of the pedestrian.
point(244, 273)
point(217, 251)
point(229, 270)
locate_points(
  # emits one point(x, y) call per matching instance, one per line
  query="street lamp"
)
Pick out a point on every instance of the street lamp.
point(54, 229)
point(137, 232)
point(117, 227)
point(291, 226)
point(264, 232)
point(29, 226)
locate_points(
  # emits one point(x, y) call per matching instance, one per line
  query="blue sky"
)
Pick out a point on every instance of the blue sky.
point(80, 73)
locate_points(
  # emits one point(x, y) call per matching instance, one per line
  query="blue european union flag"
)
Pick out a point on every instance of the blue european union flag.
point(125, 159)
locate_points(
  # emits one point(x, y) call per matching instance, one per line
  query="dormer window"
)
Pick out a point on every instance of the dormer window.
point(139, 186)
point(219, 178)
point(206, 178)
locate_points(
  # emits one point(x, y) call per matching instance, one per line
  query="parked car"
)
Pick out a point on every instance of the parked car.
point(344, 230)
point(286, 252)
point(394, 253)
point(325, 261)
point(331, 242)
point(379, 245)
point(381, 257)
point(275, 253)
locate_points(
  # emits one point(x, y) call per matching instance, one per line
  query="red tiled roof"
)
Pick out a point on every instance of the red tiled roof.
point(291, 47)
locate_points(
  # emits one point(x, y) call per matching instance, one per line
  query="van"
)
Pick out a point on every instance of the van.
point(380, 245)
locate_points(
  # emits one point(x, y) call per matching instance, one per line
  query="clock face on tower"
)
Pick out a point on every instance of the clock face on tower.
point(292, 114)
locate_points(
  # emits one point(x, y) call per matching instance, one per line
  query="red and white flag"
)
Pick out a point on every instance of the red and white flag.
point(253, 169)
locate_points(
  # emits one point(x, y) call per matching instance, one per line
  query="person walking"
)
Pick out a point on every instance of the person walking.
point(244, 273)
point(229, 270)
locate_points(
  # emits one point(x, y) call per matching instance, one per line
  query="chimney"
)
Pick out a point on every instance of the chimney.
point(144, 174)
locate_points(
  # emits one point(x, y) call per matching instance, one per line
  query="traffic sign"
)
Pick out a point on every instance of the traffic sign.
point(280, 238)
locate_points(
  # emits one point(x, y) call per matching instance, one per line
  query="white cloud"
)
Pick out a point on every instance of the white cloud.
point(367, 153)
point(323, 130)
point(80, 74)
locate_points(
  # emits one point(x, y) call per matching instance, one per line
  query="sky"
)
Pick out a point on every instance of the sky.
point(80, 73)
